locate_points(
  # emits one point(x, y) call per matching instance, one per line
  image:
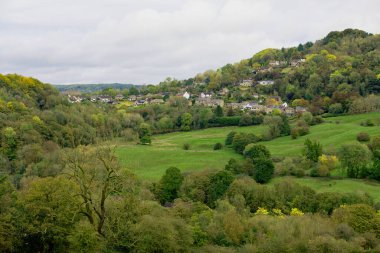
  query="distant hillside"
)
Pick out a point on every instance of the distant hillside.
point(340, 65)
point(89, 88)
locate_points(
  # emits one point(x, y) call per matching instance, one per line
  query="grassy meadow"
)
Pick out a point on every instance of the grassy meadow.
point(150, 162)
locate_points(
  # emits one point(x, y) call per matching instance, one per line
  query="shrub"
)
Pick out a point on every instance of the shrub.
point(326, 163)
point(362, 218)
point(227, 121)
point(241, 140)
point(218, 146)
point(230, 138)
point(363, 137)
point(256, 151)
point(245, 120)
point(375, 144)
point(301, 129)
point(312, 150)
point(355, 158)
point(145, 134)
point(307, 117)
point(233, 166)
point(368, 123)
point(336, 108)
point(294, 133)
point(186, 146)
point(318, 120)
point(263, 170)
point(299, 173)
point(323, 171)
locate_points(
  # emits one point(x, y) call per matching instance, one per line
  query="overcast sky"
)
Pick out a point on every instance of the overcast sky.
point(145, 41)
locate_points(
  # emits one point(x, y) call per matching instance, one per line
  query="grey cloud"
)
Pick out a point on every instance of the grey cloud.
point(70, 41)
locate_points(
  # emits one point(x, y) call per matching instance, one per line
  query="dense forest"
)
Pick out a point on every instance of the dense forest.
point(62, 188)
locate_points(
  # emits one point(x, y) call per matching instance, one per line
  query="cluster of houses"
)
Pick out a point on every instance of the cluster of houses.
point(272, 64)
point(278, 64)
point(272, 103)
point(99, 98)
point(250, 82)
point(256, 107)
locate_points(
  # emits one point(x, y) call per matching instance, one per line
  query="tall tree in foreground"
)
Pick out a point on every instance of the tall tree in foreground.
point(48, 211)
point(96, 172)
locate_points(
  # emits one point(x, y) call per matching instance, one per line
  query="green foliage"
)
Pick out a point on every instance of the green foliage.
point(240, 140)
point(219, 184)
point(263, 170)
point(362, 218)
point(367, 123)
point(162, 234)
point(375, 170)
point(9, 144)
point(363, 137)
point(186, 146)
point(48, 211)
point(375, 144)
point(218, 111)
point(169, 185)
point(218, 146)
point(355, 158)
point(97, 176)
point(230, 138)
point(307, 117)
point(186, 120)
point(245, 120)
point(256, 152)
point(233, 166)
point(84, 239)
point(145, 134)
point(312, 150)
point(336, 108)
point(275, 126)
point(227, 121)
point(285, 127)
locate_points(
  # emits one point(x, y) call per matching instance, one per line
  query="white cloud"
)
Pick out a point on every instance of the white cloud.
point(72, 41)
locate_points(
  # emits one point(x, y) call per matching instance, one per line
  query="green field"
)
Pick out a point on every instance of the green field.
point(150, 162)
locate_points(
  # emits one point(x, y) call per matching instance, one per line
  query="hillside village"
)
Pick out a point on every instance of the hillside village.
point(259, 103)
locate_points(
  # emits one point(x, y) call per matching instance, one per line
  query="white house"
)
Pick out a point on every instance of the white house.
point(205, 95)
point(266, 82)
point(186, 95)
point(284, 105)
point(246, 83)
